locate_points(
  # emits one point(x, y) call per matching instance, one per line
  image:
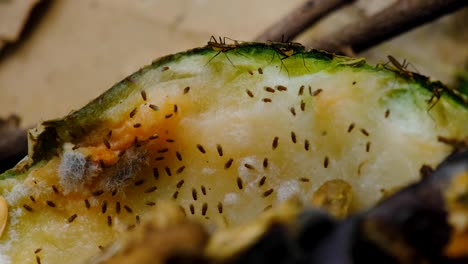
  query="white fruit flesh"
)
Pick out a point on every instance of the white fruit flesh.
point(251, 131)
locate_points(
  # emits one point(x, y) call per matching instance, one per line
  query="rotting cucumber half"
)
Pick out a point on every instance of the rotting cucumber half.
point(227, 131)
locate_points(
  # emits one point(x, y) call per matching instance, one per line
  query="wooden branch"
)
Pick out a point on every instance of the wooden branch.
point(13, 142)
point(300, 19)
point(392, 21)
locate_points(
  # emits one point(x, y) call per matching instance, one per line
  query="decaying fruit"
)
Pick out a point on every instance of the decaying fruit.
point(227, 131)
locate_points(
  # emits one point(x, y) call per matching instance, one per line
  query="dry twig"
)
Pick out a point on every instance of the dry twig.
point(13, 142)
point(300, 19)
point(392, 21)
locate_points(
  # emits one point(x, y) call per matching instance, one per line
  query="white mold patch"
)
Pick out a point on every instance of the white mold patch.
point(75, 170)
point(287, 190)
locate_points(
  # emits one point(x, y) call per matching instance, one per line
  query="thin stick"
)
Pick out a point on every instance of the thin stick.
point(13, 142)
point(392, 21)
point(300, 19)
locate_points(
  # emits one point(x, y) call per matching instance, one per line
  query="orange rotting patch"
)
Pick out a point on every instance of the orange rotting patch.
point(457, 246)
point(150, 122)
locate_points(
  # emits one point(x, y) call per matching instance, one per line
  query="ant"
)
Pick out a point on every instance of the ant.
point(287, 50)
point(221, 47)
point(401, 67)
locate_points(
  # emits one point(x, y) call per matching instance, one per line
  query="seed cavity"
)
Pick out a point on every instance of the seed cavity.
point(179, 157)
point(180, 184)
point(204, 208)
point(104, 207)
point(267, 193)
point(128, 209)
point(186, 89)
point(304, 180)
point(364, 132)
point(87, 204)
point(156, 173)
point(153, 137)
point(317, 92)
point(228, 163)
point(140, 182)
point(27, 207)
point(249, 166)
point(97, 193)
point(151, 189)
point(168, 171)
point(219, 148)
point(54, 188)
point(106, 143)
point(143, 95)
point(180, 170)
point(387, 113)
point(169, 140)
point(301, 90)
point(150, 203)
point(201, 148)
point(168, 115)
point(159, 158)
point(50, 203)
point(37, 250)
point(153, 107)
point(109, 220)
point(351, 127)
point(325, 162)
point(239, 183)
point(281, 88)
point(262, 181)
point(293, 137)
point(269, 89)
point(72, 218)
point(194, 194)
point(32, 198)
point(306, 145)
point(203, 189)
point(265, 163)
point(249, 93)
point(117, 207)
point(176, 108)
point(220, 207)
point(137, 219)
point(163, 150)
point(250, 72)
point(165, 68)
point(368, 145)
point(175, 195)
point(133, 112)
point(302, 105)
point(275, 143)
point(192, 209)
point(293, 111)
point(260, 70)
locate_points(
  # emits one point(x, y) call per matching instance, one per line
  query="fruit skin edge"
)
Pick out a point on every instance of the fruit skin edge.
point(50, 134)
